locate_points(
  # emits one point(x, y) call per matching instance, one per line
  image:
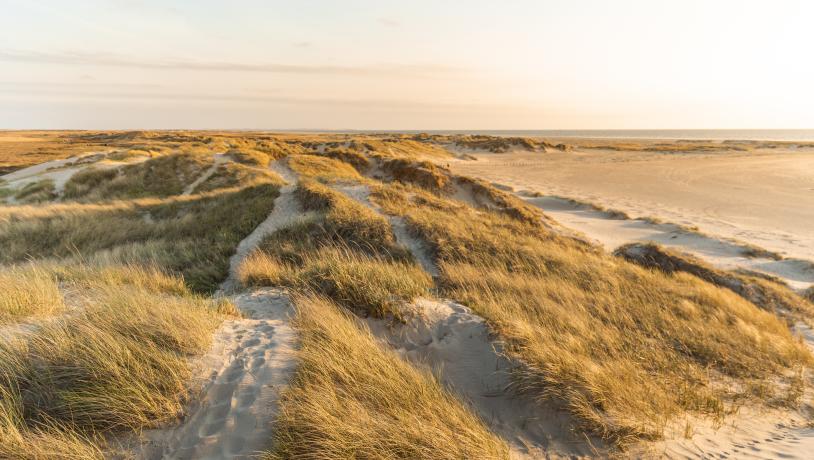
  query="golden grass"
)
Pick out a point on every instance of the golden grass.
point(359, 161)
point(346, 252)
point(350, 398)
point(27, 291)
point(193, 236)
point(323, 169)
point(424, 174)
point(118, 361)
point(161, 176)
point(770, 294)
point(625, 349)
point(403, 147)
point(229, 174)
point(249, 157)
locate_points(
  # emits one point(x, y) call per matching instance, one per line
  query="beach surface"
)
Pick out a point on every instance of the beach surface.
point(764, 197)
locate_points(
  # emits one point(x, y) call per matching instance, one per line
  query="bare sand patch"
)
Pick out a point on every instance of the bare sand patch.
point(244, 373)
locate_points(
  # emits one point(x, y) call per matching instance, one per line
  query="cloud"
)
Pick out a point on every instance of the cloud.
point(112, 92)
point(303, 44)
point(112, 60)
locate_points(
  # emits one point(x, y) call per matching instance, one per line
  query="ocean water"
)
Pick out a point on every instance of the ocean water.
point(687, 134)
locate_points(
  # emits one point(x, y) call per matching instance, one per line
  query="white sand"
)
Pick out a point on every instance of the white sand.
point(245, 372)
point(765, 198)
point(456, 343)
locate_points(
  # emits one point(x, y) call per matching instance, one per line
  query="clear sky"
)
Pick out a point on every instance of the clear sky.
point(365, 64)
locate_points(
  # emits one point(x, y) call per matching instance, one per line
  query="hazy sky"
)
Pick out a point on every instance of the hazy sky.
point(544, 64)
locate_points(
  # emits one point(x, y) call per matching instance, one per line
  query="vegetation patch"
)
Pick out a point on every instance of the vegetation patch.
point(192, 236)
point(229, 174)
point(350, 398)
point(345, 251)
point(767, 293)
point(118, 362)
point(162, 176)
point(323, 169)
point(37, 192)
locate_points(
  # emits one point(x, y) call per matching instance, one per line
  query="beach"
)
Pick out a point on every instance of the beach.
point(761, 196)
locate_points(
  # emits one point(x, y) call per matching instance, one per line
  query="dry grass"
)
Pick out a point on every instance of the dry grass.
point(625, 349)
point(403, 147)
point(162, 176)
point(118, 361)
point(27, 291)
point(351, 398)
point(249, 157)
point(359, 161)
point(229, 175)
point(323, 169)
point(346, 252)
point(37, 192)
point(424, 174)
point(770, 294)
point(193, 236)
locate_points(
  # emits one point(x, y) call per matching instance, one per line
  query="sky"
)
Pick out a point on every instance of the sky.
point(417, 65)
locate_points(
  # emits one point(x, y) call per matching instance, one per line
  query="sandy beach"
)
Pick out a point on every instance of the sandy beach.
point(764, 197)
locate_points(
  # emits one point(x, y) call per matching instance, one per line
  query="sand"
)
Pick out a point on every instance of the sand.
point(612, 232)
point(248, 367)
point(764, 197)
point(457, 345)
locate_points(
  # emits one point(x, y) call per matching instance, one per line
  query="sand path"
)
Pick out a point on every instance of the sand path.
point(457, 345)
point(218, 159)
point(245, 372)
point(286, 210)
point(765, 198)
point(250, 363)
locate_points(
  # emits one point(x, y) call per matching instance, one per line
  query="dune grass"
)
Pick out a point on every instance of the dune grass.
point(350, 398)
point(249, 157)
point(324, 169)
point(37, 192)
point(359, 161)
point(119, 361)
point(28, 291)
point(193, 236)
point(770, 294)
point(344, 251)
point(161, 176)
point(625, 349)
point(228, 175)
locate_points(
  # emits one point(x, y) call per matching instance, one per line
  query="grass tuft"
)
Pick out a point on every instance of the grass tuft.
point(350, 398)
